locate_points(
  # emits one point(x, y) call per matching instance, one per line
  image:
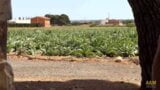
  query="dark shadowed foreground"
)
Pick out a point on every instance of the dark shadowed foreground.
point(76, 85)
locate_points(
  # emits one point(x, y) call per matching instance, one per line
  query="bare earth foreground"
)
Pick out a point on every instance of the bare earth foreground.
point(74, 74)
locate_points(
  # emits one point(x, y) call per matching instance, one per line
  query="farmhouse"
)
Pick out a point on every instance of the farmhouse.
point(44, 21)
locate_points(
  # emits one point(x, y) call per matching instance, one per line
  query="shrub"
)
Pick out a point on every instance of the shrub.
point(24, 25)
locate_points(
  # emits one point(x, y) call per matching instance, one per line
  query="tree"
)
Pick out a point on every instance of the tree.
point(156, 67)
point(129, 23)
point(3, 40)
point(62, 19)
point(6, 73)
point(147, 20)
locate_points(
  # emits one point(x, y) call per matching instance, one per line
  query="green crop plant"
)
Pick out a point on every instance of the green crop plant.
point(77, 41)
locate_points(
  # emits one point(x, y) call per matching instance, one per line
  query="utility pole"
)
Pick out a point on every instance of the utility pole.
point(108, 15)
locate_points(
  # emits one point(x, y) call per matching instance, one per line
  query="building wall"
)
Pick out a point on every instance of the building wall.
point(28, 21)
point(114, 22)
point(41, 20)
point(38, 21)
point(103, 22)
point(47, 23)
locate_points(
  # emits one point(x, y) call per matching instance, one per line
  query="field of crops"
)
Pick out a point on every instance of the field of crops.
point(74, 40)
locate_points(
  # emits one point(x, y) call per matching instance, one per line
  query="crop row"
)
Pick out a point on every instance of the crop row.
point(75, 41)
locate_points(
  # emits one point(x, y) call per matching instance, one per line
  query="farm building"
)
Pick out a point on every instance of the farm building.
point(103, 22)
point(110, 22)
point(44, 21)
point(114, 22)
point(21, 21)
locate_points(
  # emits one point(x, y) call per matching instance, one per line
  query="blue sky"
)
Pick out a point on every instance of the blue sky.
point(76, 9)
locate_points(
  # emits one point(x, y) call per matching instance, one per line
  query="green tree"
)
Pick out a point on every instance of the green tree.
point(62, 19)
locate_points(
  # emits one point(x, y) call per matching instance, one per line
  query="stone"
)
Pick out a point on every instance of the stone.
point(6, 76)
point(118, 59)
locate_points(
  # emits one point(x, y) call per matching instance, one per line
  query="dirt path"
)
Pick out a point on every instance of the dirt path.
point(73, 75)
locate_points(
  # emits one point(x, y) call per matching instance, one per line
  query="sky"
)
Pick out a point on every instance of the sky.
point(75, 9)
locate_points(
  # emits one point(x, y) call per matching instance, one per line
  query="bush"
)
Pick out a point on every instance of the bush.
point(93, 25)
point(130, 25)
point(24, 25)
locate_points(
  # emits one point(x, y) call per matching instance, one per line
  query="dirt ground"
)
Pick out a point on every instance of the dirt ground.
point(71, 73)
